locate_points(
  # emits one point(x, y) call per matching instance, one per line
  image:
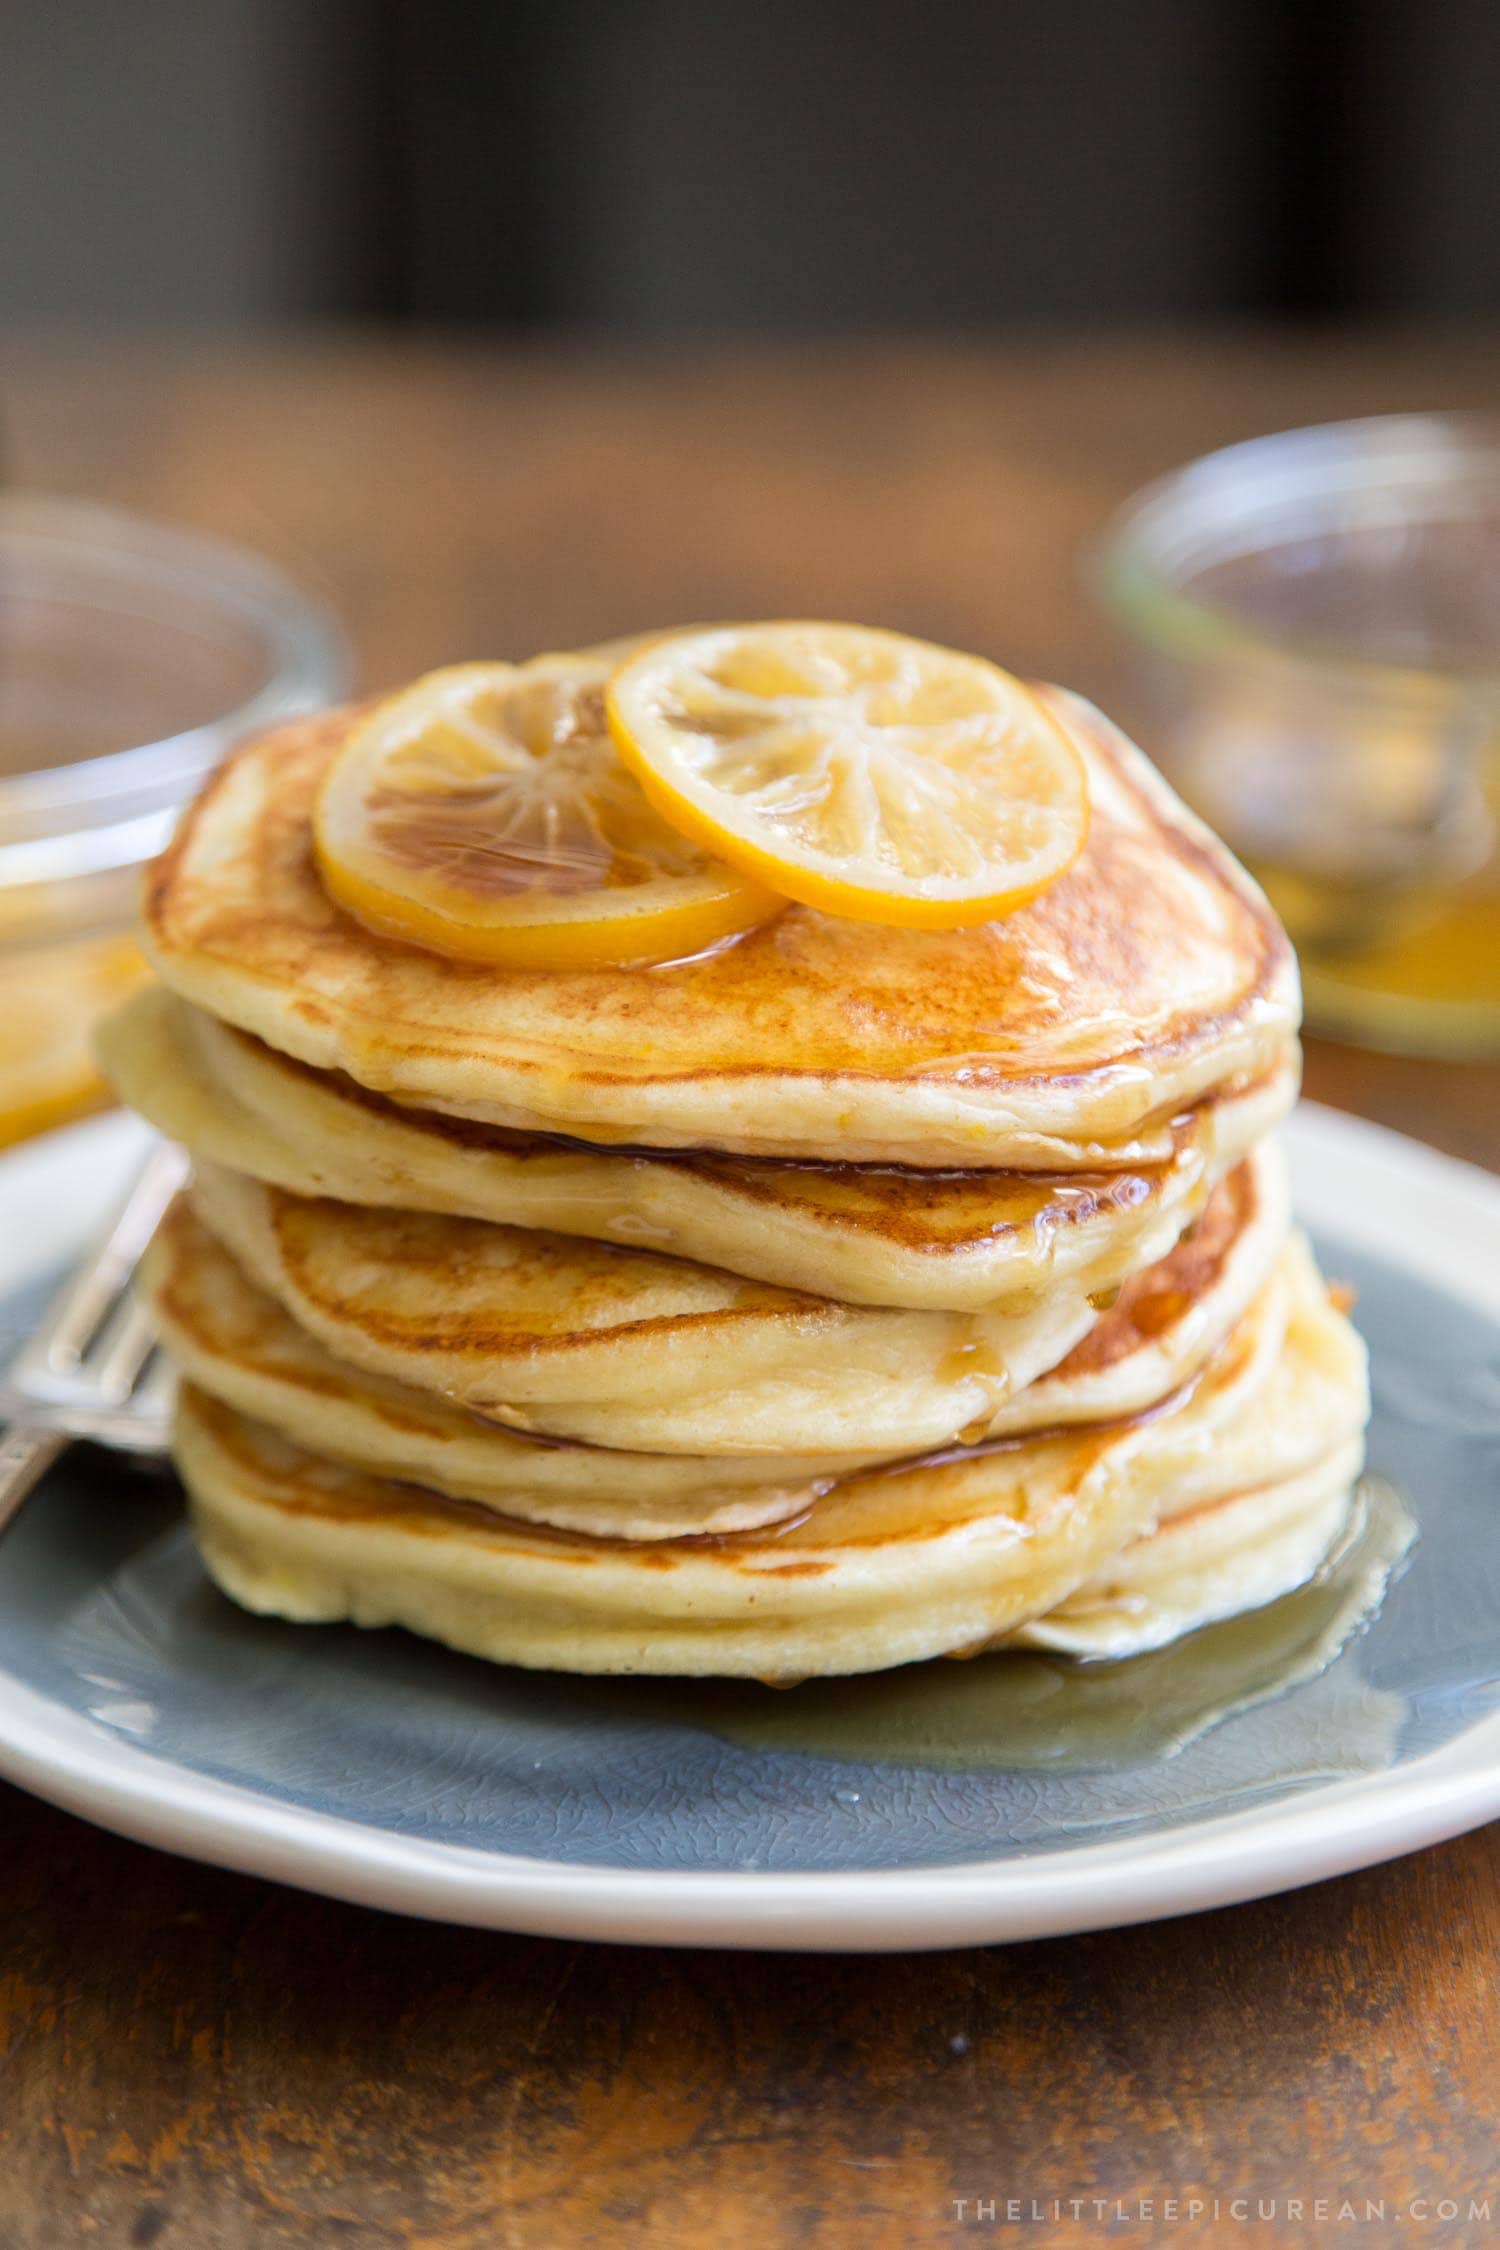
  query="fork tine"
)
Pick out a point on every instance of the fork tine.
point(83, 1306)
point(123, 1347)
point(25, 1458)
point(92, 1368)
point(155, 1393)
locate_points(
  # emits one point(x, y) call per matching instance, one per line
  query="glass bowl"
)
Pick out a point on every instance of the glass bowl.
point(132, 657)
point(1317, 616)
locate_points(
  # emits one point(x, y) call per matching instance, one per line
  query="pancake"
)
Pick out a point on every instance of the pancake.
point(1215, 1561)
point(1168, 1320)
point(887, 1568)
point(231, 1339)
point(941, 1241)
point(1065, 1037)
point(1211, 1557)
point(623, 1347)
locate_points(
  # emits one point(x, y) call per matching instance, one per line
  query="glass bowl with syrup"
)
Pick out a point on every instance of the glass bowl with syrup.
point(132, 658)
point(1317, 615)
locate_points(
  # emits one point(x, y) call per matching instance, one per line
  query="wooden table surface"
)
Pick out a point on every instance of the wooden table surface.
point(198, 2061)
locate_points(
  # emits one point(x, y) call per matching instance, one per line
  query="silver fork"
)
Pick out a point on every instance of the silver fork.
point(91, 1369)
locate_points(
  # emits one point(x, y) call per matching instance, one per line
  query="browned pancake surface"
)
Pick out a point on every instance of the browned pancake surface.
point(1153, 966)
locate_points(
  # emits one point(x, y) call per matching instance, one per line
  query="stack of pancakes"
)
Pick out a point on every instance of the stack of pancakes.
point(845, 1296)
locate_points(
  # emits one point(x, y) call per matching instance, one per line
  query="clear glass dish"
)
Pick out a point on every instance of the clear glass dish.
point(1318, 619)
point(132, 657)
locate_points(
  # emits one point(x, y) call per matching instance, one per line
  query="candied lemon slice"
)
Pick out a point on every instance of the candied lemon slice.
point(51, 997)
point(484, 812)
point(877, 777)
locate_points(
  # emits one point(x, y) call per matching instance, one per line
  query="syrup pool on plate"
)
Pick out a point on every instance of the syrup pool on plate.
point(1021, 1711)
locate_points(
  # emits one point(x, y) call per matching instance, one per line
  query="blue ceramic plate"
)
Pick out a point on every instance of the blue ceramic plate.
point(940, 1805)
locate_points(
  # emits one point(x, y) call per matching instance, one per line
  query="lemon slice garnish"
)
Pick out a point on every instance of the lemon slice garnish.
point(876, 777)
point(484, 812)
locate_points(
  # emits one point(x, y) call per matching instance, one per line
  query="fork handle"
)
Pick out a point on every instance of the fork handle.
point(25, 1457)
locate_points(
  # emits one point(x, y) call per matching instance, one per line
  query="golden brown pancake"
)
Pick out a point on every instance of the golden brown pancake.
point(623, 1347)
point(1168, 1319)
point(1215, 1560)
point(233, 1340)
point(1064, 1037)
point(882, 1235)
point(843, 1296)
point(888, 1567)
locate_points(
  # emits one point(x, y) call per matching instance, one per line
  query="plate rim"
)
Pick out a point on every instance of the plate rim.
point(1444, 1224)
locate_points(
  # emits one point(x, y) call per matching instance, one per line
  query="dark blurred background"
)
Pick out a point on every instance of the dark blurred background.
point(663, 166)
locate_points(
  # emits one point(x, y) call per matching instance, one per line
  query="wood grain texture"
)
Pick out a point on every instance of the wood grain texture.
point(194, 2059)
